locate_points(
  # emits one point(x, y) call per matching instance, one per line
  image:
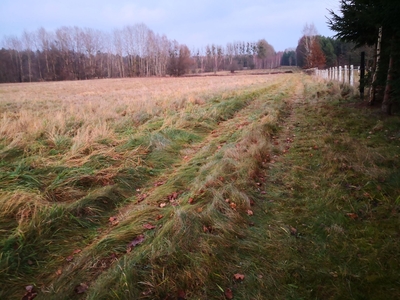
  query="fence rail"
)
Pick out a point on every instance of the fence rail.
point(349, 75)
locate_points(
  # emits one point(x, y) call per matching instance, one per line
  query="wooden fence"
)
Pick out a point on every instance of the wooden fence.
point(349, 75)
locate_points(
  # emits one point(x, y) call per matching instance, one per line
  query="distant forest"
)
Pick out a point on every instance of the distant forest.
point(73, 53)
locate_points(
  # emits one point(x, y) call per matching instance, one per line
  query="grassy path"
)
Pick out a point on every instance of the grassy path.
point(280, 192)
point(333, 201)
point(191, 198)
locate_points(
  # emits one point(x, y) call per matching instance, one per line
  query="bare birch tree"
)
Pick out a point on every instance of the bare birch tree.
point(27, 41)
point(43, 41)
point(119, 51)
point(309, 33)
point(15, 44)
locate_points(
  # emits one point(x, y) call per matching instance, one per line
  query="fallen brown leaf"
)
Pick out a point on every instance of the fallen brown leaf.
point(81, 288)
point(142, 197)
point(136, 241)
point(250, 212)
point(158, 183)
point(238, 276)
point(115, 223)
point(149, 226)
point(30, 293)
point(228, 294)
point(293, 231)
point(352, 216)
point(207, 229)
point(173, 196)
point(181, 295)
point(159, 217)
point(29, 288)
point(334, 274)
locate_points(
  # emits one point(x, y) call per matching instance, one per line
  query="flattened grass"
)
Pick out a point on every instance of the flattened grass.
point(82, 181)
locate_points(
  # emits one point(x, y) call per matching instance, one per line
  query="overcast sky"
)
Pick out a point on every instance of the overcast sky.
point(195, 23)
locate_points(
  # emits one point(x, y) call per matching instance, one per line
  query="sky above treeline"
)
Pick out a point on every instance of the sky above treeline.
point(195, 23)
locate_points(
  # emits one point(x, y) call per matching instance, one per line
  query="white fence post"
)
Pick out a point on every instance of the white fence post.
point(351, 75)
point(341, 74)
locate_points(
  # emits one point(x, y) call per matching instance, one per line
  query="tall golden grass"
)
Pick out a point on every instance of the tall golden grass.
point(84, 112)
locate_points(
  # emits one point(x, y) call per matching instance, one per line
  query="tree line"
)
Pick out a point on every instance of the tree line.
point(74, 53)
point(314, 50)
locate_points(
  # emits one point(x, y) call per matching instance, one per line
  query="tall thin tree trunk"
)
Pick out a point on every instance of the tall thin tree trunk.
point(47, 62)
point(372, 89)
point(39, 66)
point(122, 67)
point(21, 72)
point(15, 65)
point(387, 101)
point(29, 65)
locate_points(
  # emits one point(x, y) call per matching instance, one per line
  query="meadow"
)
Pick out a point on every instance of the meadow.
point(211, 187)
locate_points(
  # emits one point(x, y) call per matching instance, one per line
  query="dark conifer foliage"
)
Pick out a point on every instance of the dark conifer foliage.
point(375, 23)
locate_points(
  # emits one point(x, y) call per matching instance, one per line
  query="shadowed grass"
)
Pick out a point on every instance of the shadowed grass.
point(333, 192)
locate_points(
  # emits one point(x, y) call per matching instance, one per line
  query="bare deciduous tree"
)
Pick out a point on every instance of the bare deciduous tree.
point(73, 53)
point(309, 33)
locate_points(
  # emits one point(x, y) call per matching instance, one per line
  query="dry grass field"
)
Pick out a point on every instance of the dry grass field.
point(99, 107)
point(218, 187)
